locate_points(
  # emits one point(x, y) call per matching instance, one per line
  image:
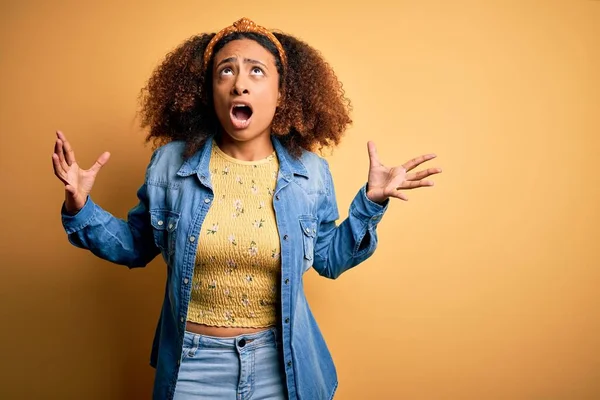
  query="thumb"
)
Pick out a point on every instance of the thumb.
point(100, 162)
point(373, 156)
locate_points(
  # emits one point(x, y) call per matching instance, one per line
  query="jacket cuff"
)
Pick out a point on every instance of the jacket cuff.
point(74, 223)
point(365, 209)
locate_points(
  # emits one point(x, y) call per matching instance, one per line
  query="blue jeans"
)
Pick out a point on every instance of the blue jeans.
point(246, 367)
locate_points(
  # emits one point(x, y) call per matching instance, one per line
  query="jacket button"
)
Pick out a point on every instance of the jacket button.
point(277, 197)
point(160, 223)
point(192, 238)
point(207, 200)
point(287, 281)
point(285, 237)
point(287, 320)
point(289, 363)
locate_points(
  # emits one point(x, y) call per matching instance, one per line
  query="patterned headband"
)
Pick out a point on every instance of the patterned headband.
point(243, 25)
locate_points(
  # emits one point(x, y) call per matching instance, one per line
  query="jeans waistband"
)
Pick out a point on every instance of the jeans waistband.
point(234, 343)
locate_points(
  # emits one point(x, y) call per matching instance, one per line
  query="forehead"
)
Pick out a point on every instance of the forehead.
point(245, 48)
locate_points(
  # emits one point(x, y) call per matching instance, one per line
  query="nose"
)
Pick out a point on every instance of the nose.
point(240, 87)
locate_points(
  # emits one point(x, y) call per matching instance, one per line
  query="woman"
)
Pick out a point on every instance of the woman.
point(240, 207)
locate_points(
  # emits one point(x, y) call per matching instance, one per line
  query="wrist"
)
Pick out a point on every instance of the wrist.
point(70, 210)
point(71, 207)
point(375, 199)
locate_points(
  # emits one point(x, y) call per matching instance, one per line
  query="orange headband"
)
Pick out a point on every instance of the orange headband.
point(243, 25)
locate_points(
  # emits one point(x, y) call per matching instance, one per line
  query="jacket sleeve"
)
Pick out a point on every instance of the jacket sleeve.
point(341, 247)
point(127, 242)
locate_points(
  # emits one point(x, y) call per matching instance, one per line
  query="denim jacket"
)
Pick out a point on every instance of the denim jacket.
point(173, 202)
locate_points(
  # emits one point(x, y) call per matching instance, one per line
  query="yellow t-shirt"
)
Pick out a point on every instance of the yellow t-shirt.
point(236, 277)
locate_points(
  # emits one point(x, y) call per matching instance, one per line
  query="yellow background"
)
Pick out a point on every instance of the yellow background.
point(484, 287)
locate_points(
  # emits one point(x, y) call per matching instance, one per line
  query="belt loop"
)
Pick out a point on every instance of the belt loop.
point(196, 341)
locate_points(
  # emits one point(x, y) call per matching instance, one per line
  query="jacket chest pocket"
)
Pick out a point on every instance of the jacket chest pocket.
point(308, 225)
point(164, 226)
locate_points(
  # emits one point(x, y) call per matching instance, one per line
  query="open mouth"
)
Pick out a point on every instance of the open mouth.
point(241, 115)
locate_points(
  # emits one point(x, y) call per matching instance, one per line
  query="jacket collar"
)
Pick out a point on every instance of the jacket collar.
point(199, 163)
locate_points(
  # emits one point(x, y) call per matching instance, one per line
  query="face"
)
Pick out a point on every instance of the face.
point(245, 89)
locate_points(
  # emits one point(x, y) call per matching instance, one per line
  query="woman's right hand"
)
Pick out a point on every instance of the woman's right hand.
point(78, 182)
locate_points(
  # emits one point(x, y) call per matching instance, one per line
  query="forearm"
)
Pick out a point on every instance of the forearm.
point(340, 248)
point(125, 242)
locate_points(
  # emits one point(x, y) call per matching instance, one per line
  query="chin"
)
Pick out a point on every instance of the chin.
point(245, 135)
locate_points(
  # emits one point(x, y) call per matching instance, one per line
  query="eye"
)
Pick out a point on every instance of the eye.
point(257, 71)
point(226, 71)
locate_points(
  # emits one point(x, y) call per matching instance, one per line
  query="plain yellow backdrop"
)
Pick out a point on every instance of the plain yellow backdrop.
point(485, 286)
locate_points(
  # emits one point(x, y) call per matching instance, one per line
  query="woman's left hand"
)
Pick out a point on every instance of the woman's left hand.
point(385, 182)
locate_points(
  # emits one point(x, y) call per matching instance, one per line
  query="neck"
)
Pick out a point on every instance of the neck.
point(253, 149)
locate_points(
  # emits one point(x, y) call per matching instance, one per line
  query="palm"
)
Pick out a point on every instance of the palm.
point(385, 182)
point(381, 178)
point(78, 182)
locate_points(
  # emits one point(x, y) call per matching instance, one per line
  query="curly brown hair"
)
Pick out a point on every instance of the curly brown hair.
point(176, 103)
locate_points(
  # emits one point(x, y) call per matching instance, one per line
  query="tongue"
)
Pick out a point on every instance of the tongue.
point(242, 113)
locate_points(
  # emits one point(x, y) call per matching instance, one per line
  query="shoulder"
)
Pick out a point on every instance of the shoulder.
point(318, 172)
point(314, 163)
point(165, 161)
point(169, 153)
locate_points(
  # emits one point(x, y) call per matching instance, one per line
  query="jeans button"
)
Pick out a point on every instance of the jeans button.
point(242, 342)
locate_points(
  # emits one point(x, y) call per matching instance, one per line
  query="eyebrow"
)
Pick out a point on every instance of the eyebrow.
point(246, 61)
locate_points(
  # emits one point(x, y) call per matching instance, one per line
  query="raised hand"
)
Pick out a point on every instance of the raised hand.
point(78, 182)
point(385, 182)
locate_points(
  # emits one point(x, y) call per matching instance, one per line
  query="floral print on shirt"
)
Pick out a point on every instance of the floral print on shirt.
point(237, 269)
